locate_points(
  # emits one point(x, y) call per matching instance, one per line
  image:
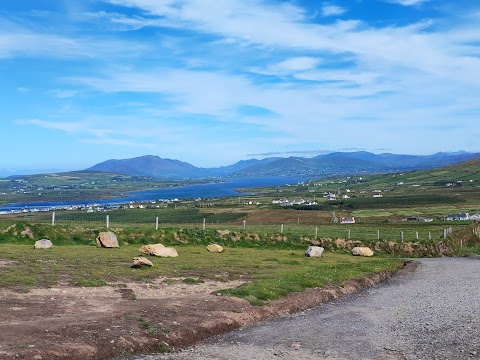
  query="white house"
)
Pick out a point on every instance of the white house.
point(459, 216)
point(347, 220)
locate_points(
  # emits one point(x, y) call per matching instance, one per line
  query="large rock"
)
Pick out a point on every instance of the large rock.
point(314, 251)
point(362, 251)
point(151, 249)
point(107, 240)
point(139, 262)
point(158, 250)
point(43, 244)
point(215, 248)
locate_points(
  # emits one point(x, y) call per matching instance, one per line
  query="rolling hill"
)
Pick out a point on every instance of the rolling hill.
point(337, 163)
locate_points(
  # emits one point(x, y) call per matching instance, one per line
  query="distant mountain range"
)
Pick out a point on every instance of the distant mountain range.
point(332, 164)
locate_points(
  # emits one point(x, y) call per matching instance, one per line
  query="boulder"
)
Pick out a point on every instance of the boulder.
point(107, 240)
point(158, 250)
point(43, 244)
point(362, 251)
point(139, 262)
point(314, 251)
point(167, 252)
point(215, 248)
point(152, 249)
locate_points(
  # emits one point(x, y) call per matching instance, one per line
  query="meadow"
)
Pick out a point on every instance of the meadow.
point(268, 273)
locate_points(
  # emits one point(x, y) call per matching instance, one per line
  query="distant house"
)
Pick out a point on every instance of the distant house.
point(331, 197)
point(475, 217)
point(418, 218)
point(347, 220)
point(459, 216)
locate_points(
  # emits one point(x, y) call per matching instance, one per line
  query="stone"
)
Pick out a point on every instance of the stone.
point(314, 251)
point(152, 249)
point(43, 244)
point(158, 250)
point(139, 262)
point(215, 248)
point(362, 251)
point(107, 239)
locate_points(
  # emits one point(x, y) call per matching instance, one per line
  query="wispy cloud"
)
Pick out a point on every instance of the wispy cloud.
point(267, 75)
point(118, 142)
point(63, 93)
point(409, 2)
point(69, 127)
point(332, 10)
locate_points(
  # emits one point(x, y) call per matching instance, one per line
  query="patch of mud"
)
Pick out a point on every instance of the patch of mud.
point(164, 287)
point(5, 263)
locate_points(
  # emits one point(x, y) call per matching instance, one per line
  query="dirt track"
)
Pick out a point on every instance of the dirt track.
point(105, 322)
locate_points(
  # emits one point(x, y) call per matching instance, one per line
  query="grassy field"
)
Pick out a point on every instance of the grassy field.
point(271, 272)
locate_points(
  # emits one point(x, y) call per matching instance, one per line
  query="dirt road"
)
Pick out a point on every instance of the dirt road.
point(430, 313)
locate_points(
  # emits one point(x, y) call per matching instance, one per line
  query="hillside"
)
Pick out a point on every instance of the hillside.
point(333, 164)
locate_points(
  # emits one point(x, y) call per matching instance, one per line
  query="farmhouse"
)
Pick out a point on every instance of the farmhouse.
point(459, 216)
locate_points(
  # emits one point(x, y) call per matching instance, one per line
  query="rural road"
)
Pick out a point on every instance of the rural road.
point(432, 312)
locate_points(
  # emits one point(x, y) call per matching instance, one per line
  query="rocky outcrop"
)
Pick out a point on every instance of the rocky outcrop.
point(107, 240)
point(314, 251)
point(215, 248)
point(362, 251)
point(43, 244)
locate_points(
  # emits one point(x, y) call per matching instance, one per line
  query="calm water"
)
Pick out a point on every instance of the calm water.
point(192, 191)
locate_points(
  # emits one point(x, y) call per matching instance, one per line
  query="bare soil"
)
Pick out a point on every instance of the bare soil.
point(125, 319)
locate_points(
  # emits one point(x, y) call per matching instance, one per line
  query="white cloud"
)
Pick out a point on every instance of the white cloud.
point(69, 127)
point(369, 79)
point(409, 2)
point(63, 93)
point(332, 10)
point(118, 142)
point(296, 64)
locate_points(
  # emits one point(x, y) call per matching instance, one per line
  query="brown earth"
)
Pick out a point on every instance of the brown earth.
point(120, 320)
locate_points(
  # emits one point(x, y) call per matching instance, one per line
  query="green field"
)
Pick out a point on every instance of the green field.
point(269, 273)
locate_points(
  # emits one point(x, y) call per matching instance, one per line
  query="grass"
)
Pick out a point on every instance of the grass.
point(271, 272)
point(308, 273)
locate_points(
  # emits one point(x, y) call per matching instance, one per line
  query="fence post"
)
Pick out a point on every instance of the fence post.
point(244, 224)
point(108, 221)
point(281, 229)
point(204, 224)
point(53, 218)
point(417, 235)
point(378, 234)
point(401, 236)
point(156, 223)
point(349, 234)
point(429, 235)
point(316, 232)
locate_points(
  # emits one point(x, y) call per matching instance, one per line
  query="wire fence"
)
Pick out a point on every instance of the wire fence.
point(398, 232)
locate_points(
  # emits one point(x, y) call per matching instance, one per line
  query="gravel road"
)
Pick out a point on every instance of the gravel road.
point(432, 312)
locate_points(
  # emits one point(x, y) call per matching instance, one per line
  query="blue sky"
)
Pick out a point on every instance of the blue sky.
point(212, 82)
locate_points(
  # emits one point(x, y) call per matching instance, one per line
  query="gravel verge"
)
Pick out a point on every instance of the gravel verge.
point(430, 313)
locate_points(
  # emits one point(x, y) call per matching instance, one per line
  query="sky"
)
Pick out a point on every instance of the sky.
point(212, 82)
